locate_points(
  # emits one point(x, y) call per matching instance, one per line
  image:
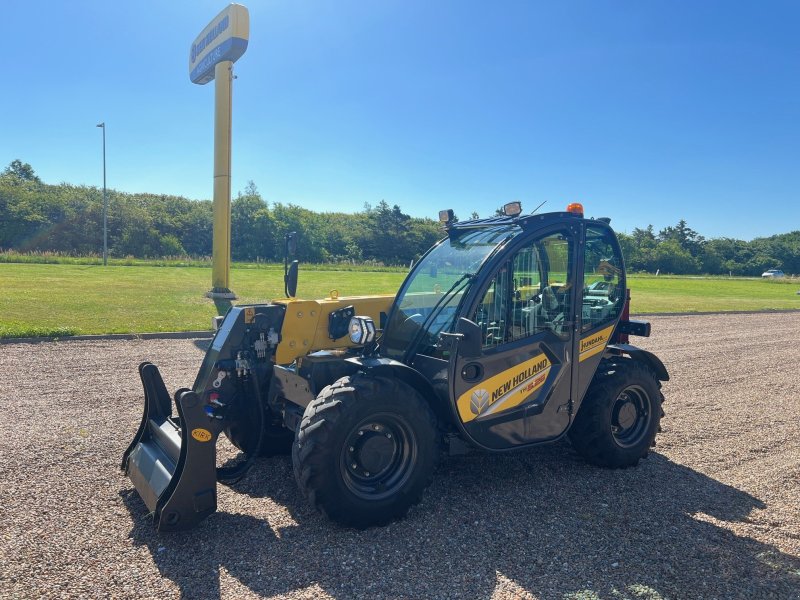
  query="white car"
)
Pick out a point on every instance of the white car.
point(773, 274)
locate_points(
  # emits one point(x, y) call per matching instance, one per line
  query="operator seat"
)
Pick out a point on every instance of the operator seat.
point(547, 313)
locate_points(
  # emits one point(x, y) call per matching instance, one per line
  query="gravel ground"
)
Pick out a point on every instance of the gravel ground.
point(713, 513)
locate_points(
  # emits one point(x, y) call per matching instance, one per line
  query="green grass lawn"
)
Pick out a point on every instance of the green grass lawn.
point(651, 294)
point(64, 299)
point(40, 299)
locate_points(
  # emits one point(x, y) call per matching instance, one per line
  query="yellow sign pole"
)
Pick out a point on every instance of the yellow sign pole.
point(223, 91)
point(211, 56)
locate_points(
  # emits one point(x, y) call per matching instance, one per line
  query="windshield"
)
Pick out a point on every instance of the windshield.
point(428, 302)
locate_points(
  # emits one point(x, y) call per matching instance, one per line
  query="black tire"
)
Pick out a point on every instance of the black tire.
point(617, 422)
point(244, 431)
point(277, 441)
point(362, 423)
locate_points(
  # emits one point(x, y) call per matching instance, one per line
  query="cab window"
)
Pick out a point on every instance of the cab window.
point(603, 279)
point(529, 294)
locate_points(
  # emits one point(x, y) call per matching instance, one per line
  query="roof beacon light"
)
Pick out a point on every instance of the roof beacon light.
point(446, 216)
point(512, 209)
point(576, 208)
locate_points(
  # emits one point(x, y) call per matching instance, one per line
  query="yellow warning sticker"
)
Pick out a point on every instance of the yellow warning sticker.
point(201, 435)
point(249, 314)
point(594, 343)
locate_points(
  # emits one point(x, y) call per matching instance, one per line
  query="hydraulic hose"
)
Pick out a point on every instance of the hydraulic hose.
point(231, 475)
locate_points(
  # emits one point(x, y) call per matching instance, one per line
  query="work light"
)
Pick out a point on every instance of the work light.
point(362, 330)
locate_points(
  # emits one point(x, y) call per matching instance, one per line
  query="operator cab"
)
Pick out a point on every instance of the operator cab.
point(508, 318)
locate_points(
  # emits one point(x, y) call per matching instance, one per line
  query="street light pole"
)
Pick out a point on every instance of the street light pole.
point(105, 199)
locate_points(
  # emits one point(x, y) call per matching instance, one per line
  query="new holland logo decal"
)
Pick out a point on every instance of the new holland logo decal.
point(478, 401)
point(504, 390)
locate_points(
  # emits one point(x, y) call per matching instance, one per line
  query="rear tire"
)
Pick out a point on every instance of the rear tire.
point(617, 422)
point(366, 450)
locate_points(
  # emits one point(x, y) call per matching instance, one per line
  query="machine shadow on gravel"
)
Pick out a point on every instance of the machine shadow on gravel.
point(202, 343)
point(541, 518)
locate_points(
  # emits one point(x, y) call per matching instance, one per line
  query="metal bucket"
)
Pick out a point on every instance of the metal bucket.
point(172, 459)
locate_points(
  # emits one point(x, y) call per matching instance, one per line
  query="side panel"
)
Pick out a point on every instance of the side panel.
point(517, 396)
point(305, 325)
point(591, 347)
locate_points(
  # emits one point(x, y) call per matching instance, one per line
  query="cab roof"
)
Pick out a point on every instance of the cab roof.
point(524, 221)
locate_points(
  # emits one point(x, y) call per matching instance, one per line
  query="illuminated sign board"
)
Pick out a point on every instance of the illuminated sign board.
point(225, 38)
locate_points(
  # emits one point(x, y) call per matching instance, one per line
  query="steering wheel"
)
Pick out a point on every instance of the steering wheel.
point(415, 319)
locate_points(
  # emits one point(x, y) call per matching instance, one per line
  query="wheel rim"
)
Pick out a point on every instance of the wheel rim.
point(630, 416)
point(378, 456)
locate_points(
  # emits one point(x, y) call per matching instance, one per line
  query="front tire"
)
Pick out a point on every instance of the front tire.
point(366, 450)
point(617, 422)
point(247, 427)
point(276, 440)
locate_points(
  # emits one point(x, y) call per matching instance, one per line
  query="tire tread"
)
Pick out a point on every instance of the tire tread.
point(321, 422)
point(589, 434)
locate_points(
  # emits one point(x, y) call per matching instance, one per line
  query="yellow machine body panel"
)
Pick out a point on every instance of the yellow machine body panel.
point(305, 325)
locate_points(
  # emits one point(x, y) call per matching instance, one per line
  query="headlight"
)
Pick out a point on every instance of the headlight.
point(362, 330)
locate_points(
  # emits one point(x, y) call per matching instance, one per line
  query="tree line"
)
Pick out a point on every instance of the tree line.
point(681, 250)
point(68, 219)
point(65, 218)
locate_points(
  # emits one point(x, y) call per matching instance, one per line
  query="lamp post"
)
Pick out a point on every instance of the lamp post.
point(105, 199)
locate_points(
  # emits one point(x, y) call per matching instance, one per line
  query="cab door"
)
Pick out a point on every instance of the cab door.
point(603, 299)
point(517, 389)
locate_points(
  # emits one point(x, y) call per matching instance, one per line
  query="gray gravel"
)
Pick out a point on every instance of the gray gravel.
point(712, 514)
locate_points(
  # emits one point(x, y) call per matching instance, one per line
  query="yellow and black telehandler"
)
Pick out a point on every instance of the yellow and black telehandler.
point(511, 331)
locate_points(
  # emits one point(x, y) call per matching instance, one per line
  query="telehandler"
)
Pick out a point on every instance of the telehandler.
point(511, 331)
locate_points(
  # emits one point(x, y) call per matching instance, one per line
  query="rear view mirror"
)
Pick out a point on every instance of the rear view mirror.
point(290, 273)
point(291, 279)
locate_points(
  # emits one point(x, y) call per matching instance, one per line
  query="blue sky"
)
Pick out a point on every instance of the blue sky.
point(647, 112)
